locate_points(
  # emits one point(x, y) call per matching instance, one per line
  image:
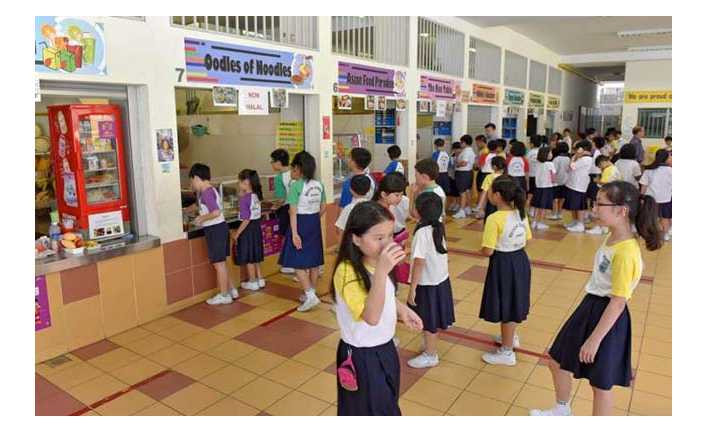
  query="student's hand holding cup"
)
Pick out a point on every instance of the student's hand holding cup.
point(390, 256)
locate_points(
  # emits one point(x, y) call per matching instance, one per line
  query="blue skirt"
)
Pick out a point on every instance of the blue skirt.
point(435, 306)
point(506, 294)
point(217, 242)
point(249, 248)
point(311, 254)
point(592, 191)
point(574, 201)
point(378, 374)
point(543, 198)
point(443, 182)
point(559, 192)
point(665, 210)
point(532, 185)
point(612, 364)
point(480, 177)
point(463, 181)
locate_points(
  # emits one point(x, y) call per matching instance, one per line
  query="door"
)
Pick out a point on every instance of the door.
point(531, 125)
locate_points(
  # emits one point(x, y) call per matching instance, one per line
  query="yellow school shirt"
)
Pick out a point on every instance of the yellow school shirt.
point(505, 231)
point(616, 269)
point(488, 181)
point(611, 173)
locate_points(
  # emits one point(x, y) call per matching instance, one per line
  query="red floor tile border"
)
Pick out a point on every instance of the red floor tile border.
point(94, 350)
point(281, 316)
point(118, 394)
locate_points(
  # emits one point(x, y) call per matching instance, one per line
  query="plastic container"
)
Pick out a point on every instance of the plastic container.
point(55, 235)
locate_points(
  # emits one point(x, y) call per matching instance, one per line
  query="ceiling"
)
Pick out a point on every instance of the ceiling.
point(604, 73)
point(575, 35)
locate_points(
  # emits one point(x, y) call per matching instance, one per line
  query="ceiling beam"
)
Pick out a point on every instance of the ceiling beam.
point(616, 57)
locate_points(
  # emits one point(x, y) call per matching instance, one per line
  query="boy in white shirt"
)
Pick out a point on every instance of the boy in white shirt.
point(360, 186)
point(464, 177)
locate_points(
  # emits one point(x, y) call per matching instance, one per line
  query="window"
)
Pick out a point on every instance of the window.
point(379, 38)
point(554, 84)
point(439, 48)
point(656, 121)
point(286, 30)
point(538, 76)
point(515, 70)
point(484, 61)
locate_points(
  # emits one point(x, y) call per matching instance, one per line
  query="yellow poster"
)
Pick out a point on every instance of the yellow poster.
point(660, 96)
point(553, 102)
point(290, 136)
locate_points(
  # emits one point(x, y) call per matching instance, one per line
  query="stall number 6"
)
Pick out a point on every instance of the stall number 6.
point(180, 71)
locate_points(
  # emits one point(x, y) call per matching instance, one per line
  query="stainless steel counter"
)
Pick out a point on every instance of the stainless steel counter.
point(109, 250)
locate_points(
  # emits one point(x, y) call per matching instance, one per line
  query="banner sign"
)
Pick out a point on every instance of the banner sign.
point(514, 98)
point(663, 96)
point(485, 94)
point(362, 79)
point(553, 103)
point(536, 100)
point(439, 89)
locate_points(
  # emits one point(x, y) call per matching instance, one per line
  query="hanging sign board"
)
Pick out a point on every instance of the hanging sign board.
point(536, 100)
point(485, 94)
point(553, 103)
point(514, 98)
point(439, 89)
point(661, 96)
point(362, 79)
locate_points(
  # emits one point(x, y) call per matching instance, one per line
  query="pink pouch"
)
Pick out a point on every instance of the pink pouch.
point(347, 375)
point(402, 271)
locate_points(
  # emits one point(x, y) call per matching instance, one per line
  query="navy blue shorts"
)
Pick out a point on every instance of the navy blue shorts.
point(217, 242)
point(463, 181)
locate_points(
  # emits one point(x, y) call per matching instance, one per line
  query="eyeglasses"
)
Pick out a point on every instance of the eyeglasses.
point(598, 204)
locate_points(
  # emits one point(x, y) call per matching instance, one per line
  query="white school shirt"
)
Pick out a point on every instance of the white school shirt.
point(467, 155)
point(629, 169)
point(595, 170)
point(307, 195)
point(443, 161)
point(505, 231)
point(578, 176)
point(487, 168)
point(617, 269)
point(561, 165)
point(358, 333)
point(346, 212)
point(436, 265)
point(516, 166)
point(532, 158)
point(401, 213)
point(544, 175)
point(659, 183)
point(203, 209)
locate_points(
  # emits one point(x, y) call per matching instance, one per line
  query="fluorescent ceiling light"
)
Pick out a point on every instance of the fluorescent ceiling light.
point(424, 34)
point(653, 32)
point(472, 49)
point(651, 48)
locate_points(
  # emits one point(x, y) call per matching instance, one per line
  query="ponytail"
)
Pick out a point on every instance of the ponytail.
point(642, 210)
point(430, 208)
point(510, 193)
point(254, 179)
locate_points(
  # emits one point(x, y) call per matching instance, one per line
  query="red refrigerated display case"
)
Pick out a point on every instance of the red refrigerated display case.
point(89, 161)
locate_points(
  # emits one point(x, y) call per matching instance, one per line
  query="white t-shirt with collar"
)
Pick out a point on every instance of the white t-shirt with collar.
point(578, 174)
point(659, 183)
point(467, 155)
point(543, 175)
point(436, 265)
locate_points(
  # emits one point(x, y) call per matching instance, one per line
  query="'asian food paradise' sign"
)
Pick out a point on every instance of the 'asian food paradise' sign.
point(362, 79)
point(227, 64)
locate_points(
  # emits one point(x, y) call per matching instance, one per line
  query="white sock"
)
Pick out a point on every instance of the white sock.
point(505, 350)
point(310, 293)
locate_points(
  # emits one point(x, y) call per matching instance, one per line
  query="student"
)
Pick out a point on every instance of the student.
point(367, 312)
point(656, 182)
point(394, 152)
point(389, 194)
point(358, 163)
point(598, 143)
point(453, 195)
point(609, 173)
point(506, 293)
point(567, 137)
point(464, 165)
point(577, 184)
point(561, 167)
point(502, 148)
point(279, 160)
point(442, 159)
point(498, 164)
point(400, 210)
point(481, 144)
point(668, 143)
point(425, 175)
point(595, 342)
point(248, 237)
point(518, 165)
point(360, 186)
point(627, 165)
point(430, 293)
point(534, 144)
point(490, 132)
point(303, 247)
point(543, 198)
point(637, 134)
point(215, 230)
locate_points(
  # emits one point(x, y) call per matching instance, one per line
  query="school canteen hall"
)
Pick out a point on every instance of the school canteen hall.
point(153, 133)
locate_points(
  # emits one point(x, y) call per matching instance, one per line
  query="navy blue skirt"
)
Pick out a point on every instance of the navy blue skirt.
point(453, 190)
point(283, 219)
point(574, 201)
point(217, 242)
point(249, 248)
point(559, 192)
point(521, 183)
point(543, 198)
point(506, 294)
point(592, 191)
point(311, 254)
point(665, 210)
point(480, 176)
point(612, 364)
point(463, 180)
point(378, 374)
point(435, 306)
point(532, 185)
point(443, 181)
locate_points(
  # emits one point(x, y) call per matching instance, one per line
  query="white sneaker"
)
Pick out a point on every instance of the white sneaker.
point(595, 230)
point(500, 357)
point(460, 214)
point(220, 299)
point(557, 410)
point(469, 210)
point(554, 217)
point(261, 283)
point(542, 226)
point(250, 285)
point(577, 228)
point(424, 360)
point(311, 302)
point(233, 293)
point(569, 224)
point(515, 340)
point(286, 270)
point(667, 236)
point(533, 225)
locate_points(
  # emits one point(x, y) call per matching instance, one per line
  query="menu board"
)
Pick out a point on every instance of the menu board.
point(290, 136)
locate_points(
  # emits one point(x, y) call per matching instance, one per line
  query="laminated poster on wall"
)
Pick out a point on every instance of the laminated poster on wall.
point(401, 105)
point(424, 105)
point(345, 102)
point(224, 96)
point(370, 103)
point(381, 103)
point(165, 145)
point(440, 108)
point(252, 101)
point(279, 98)
point(42, 318)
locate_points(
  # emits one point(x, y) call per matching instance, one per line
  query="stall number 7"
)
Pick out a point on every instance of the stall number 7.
point(180, 71)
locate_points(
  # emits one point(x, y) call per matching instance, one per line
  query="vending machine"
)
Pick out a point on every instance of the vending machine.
point(88, 156)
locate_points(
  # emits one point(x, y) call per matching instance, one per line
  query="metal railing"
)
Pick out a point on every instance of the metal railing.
point(286, 30)
point(383, 39)
point(439, 48)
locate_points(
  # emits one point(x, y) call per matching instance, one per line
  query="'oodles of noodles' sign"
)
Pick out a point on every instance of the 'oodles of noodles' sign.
point(227, 64)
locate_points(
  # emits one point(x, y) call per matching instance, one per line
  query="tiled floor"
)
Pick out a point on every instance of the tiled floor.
point(259, 356)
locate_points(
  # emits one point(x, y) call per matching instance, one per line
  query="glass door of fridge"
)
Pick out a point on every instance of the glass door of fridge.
point(99, 158)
